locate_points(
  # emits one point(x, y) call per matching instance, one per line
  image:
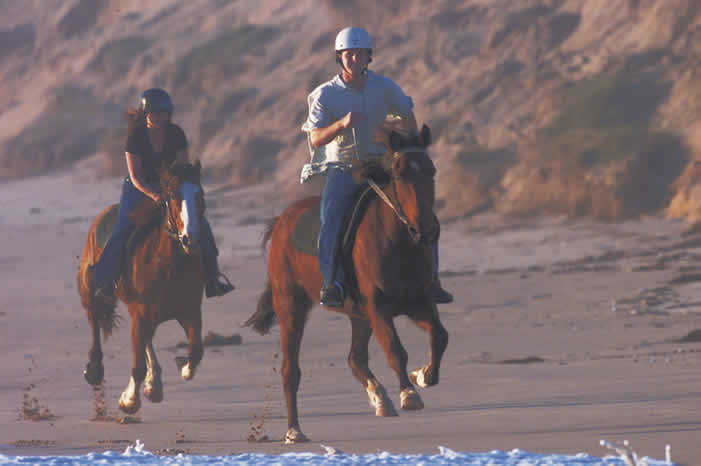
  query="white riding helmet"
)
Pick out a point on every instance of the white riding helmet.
point(353, 38)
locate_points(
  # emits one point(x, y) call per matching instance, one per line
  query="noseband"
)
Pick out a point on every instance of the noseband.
point(417, 236)
point(171, 228)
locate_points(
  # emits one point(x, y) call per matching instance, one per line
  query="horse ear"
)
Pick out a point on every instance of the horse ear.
point(395, 141)
point(425, 135)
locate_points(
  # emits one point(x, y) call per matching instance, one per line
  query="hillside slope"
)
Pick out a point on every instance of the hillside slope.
point(583, 107)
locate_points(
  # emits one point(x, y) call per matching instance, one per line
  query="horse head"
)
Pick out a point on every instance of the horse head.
point(413, 184)
point(184, 203)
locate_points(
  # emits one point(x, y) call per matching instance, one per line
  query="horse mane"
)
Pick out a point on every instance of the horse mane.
point(171, 177)
point(376, 169)
point(393, 135)
point(145, 212)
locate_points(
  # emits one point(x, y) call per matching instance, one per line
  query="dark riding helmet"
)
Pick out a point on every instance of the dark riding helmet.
point(155, 100)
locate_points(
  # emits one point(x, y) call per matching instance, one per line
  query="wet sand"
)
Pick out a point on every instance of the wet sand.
point(563, 333)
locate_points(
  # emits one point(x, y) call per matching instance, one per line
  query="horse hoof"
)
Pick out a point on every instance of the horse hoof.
point(386, 410)
point(154, 393)
point(129, 406)
point(411, 401)
point(94, 373)
point(418, 377)
point(180, 361)
point(295, 435)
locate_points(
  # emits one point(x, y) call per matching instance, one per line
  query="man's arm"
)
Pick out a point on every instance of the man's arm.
point(321, 136)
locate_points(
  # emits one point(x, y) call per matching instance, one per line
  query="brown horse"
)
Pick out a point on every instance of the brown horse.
point(392, 266)
point(162, 280)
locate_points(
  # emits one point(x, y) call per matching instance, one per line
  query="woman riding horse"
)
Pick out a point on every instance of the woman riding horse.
point(153, 140)
point(165, 281)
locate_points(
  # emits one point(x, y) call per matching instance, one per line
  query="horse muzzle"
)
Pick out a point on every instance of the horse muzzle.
point(425, 236)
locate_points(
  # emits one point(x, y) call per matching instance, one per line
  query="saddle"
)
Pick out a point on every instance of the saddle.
point(104, 229)
point(305, 236)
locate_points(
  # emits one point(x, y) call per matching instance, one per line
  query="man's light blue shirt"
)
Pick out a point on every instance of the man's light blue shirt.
point(332, 100)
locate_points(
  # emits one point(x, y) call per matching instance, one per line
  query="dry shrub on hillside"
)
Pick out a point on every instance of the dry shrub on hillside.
point(598, 156)
point(369, 14)
point(473, 178)
point(215, 61)
point(686, 202)
point(67, 131)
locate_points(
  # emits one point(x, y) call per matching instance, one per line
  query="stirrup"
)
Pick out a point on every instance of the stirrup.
point(217, 288)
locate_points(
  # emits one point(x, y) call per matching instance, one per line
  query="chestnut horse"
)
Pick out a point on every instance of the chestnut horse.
point(162, 279)
point(392, 268)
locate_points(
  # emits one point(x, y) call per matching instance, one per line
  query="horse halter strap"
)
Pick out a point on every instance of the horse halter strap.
point(388, 201)
point(171, 228)
point(398, 208)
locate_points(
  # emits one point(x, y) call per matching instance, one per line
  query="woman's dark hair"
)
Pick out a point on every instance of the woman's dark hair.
point(135, 117)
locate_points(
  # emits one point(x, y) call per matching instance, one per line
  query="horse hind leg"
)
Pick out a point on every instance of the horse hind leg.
point(291, 310)
point(101, 316)
point(358, 361)
point(153, 385)
point(94, 372)
point(193, 329)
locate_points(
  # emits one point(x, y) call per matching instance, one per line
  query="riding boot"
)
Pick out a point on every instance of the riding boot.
point(440, 294)
point(332, 295)
point(213, 286)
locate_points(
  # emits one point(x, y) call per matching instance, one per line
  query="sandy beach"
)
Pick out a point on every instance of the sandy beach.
point(563, 333)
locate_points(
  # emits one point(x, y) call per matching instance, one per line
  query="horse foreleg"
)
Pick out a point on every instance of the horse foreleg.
point(141, 334)
point(94, 371)
point(397, 357)
point(153, 385)
point(292, 319)
point(429, 321)
point(358, 361)
point(193, 330)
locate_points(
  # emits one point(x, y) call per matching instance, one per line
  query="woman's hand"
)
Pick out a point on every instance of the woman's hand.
point(156, 197)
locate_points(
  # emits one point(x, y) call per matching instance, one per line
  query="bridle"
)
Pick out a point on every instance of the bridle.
point(171, 228)
point(418, 237)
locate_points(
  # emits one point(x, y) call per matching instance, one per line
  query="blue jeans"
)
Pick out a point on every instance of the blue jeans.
point(340, 191)
point(109, 266)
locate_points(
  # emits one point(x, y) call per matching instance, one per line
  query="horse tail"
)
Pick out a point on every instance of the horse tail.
point(268, 232)
point(105, 316)
point(263, 319)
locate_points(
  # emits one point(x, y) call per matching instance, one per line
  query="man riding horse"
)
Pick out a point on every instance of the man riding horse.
point(344, 115)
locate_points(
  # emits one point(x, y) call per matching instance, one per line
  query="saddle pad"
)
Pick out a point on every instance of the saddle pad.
point(104, 229)
point(305, 237)
point(106, 225)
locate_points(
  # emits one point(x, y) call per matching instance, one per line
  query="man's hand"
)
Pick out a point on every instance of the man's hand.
point(352, 118)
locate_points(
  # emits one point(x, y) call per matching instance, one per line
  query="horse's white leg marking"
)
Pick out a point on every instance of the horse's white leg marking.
point(295, 435)
point(379, 399)
point(153, 386)
point(130, 402)
point(418, 377)
point(410, 400)
point(187, 372)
